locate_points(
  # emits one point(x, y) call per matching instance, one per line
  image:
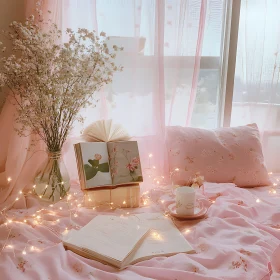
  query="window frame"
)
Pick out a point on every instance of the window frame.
point(229, 61)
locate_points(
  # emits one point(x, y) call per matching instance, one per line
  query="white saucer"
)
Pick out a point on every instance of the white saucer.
point(199, 212)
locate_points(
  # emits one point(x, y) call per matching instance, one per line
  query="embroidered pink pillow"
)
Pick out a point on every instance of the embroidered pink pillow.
point(232, 154)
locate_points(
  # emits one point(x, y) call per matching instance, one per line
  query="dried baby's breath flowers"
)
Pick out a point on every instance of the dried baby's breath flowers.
point(49, 81)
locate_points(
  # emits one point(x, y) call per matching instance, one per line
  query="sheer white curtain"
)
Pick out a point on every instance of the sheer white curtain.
point(171, 62)
point(257, 90)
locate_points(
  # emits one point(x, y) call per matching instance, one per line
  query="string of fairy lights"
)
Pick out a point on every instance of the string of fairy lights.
point(74, 201)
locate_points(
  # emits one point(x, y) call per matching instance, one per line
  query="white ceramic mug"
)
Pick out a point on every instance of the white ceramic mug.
point(185, 201)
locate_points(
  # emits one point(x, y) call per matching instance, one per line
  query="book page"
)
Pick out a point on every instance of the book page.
point(164, 238)
point(110, 236)
point(125, 162)
point(118, 133)
point(95, 164)
point(108, 129)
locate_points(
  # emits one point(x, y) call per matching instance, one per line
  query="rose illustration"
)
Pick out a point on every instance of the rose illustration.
point(130, 167)
point(97, 156)
point(135, 161)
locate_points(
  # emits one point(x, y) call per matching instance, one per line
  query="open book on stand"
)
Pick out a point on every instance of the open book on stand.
point(108, 163)
point(123, 241)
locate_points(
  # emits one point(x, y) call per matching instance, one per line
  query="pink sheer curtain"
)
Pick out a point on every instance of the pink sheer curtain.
point(19, 160)
point(163, 43)
point(257, 89)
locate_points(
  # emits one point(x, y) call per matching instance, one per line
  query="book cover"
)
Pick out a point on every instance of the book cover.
point(125, 162)
point(127, 196)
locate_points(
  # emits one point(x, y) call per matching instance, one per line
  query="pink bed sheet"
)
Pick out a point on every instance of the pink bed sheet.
point(239, 239)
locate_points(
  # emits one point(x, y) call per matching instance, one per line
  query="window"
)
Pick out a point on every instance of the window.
point(159, 64)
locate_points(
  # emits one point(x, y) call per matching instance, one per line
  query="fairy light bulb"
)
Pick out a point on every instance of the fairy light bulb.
point(187, 230)
point(162, 201)
point(51, 205)
point(124, 202)
point(34, 186)
point(258, 200)
point(150, 155)
point(75, 215)
point(177, 169)
point(156, 235)
point(10, 221)
point(60, 208)
point(57, 220)
point(274, 191)
point(24, 252)
point(20, 192)
point(40, 196)
point(25, 221)
point(9, 179)
point(17, 198)
point(38, 217)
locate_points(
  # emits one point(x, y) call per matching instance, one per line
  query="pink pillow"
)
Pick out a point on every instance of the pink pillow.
point(232, 154)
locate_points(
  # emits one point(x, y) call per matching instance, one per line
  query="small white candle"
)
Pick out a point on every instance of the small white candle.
point(185, 200)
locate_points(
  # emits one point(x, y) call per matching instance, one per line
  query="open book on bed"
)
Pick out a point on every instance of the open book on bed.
point(121, 241)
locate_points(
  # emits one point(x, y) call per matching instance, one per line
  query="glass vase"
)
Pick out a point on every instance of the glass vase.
point(53, 183)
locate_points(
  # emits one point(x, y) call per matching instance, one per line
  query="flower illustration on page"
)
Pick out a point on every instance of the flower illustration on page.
point(97, 157)
point(133, 164)
point(130, 167)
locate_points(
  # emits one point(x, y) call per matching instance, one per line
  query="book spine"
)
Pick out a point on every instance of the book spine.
point(120, 197)
point(78, 154)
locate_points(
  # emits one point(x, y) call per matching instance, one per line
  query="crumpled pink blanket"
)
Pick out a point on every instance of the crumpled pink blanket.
point(239, 239)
